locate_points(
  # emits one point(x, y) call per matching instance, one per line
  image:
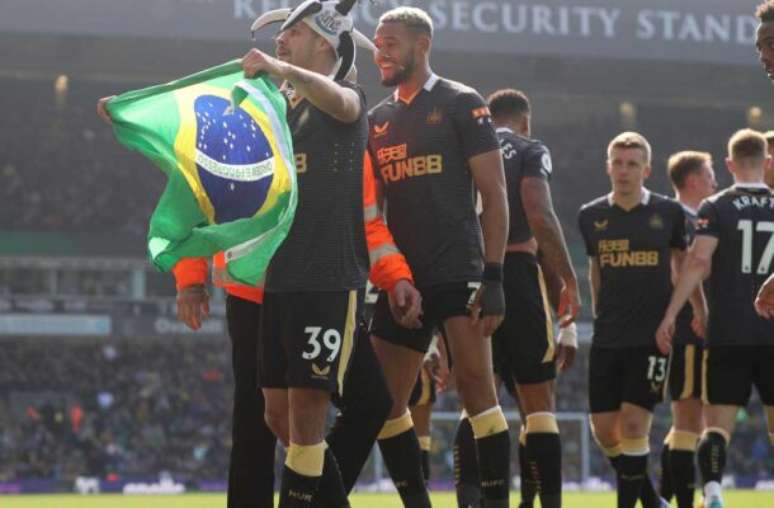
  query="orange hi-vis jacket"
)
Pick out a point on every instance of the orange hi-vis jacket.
point(388, 265)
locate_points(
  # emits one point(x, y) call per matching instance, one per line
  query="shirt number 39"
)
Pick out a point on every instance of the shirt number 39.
point(331, 339)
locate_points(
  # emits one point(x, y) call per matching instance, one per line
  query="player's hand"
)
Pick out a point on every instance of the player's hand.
point(406, 304)
point(764, 302)
point(664, 335)
point(256, 61)
point(488, 308)
point(102, 111)
point(567, 347)
point(437, 367)
point(699, 326)
point(569, 304)
point(565, 357)
point(193, 305)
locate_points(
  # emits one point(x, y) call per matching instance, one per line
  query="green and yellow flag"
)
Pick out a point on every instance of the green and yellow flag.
point(226, 149)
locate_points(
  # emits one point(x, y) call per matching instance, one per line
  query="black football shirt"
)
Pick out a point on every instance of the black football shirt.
point(421, 150)
point(522, 158)
point(633, 249)
point(741, 217)
point(325, 249)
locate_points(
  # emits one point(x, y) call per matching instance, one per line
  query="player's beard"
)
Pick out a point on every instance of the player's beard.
point(401, 72)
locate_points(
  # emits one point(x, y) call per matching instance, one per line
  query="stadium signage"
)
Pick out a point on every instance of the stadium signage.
point(712, 31)
point(613, 28)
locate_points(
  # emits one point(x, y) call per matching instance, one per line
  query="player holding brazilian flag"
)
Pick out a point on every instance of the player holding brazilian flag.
point(226, 149)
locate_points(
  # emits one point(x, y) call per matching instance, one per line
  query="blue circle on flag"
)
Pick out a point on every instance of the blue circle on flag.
point(233, 158)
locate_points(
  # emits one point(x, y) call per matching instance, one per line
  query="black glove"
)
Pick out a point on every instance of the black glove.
point(492, 300)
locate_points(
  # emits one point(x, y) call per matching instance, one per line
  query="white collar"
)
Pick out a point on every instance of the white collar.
point(689, 209)
point(752, 185)
point(428, 86)
point(643, 201)
point(503, 130)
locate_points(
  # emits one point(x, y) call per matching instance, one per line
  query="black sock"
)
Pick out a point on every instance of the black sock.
point(425, 465)
point(529, 486)
point(297, 490)
point(363, 407)
point(545, 450)
point(666, 489)
point(466, 480)
point(711, 457)
point(494, 465)
point(331, 492)
point(648, 494)
point(615, 462)
point(683, 476)
point(632, 471)
point(402, 456)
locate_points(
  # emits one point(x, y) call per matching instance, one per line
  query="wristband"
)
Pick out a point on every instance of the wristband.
point(568, 336)
point(493, 272)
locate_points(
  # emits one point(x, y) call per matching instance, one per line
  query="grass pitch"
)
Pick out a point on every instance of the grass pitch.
point(733, 499)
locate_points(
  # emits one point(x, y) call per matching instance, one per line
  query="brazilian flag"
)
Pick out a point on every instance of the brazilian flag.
point(225, 146)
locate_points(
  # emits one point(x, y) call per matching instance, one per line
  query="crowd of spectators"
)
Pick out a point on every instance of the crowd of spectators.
point(128, 408)
point(63, 170)
point(140, 407)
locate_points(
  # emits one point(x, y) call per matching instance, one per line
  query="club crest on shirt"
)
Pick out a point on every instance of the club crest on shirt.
point(600, 225)
point(482, 115)
point(435, 117)
point(656, 222)
point(381, 130)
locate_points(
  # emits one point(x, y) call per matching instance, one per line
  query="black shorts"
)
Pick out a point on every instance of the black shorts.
point(636, 375)
point(439, 303)
point(306, 339)
point(685, 368)
point(424, 390)
point(730, 372)
point(523, 346)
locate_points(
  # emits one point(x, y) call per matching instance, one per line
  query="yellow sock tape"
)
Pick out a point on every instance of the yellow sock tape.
point(396, 426)
point(668, 438)
point(523, 436)
point(490, 422)
point(635, 446)
point(425, 443)
point(684, 440)
point(544, 423)
point(306, 460)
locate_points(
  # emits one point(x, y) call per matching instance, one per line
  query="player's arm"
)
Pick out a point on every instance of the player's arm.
point(193, 300)
point(487, 171)
point(536, 197)
point(389, 269)
point(696, 266)
point(697, 300)
point(764, 302)
point(343, 104)
point(480, 147)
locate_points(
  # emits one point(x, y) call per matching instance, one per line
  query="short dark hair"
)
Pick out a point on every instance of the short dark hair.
point(508, 103)
point(627, 140)
point(683, 164)
point(747, 144)
point(413, 18)
point(765, 11)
